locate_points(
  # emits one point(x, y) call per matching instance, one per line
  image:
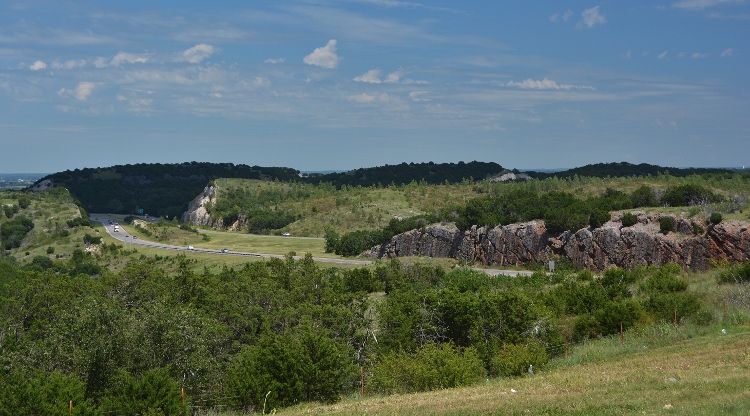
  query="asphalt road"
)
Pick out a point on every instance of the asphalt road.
point(127, 238)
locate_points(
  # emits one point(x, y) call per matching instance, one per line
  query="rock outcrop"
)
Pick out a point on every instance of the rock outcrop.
point(197, 214)
point(596, 249)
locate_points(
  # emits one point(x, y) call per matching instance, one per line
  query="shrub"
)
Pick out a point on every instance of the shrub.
point(24, 201)
point(50, 250)
point(688, 194)
point(715, 218)
point(626, 312)
point(516, 359)
point(664, 305)
point(666, 224)
point(154, 392)
point(698, 229)
point(91, 239)
point(598, 218)
point(739, 273)
point(14, 231)
point(586, 327)
point(643, 197)
point(665, 280)
point(629, 219)
point(435, 366)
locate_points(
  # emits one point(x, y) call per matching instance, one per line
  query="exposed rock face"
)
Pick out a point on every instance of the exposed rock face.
point(197, 214)
point(594, 249)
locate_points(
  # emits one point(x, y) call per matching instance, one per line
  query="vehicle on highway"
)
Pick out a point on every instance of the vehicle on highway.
point(223, 250)
point(191, 248)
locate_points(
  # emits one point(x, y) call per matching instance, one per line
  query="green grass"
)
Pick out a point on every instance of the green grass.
point(684, 375)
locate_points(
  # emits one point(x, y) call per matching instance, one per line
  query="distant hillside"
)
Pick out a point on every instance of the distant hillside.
point(625, 169)
point(431, 173)
point(157, 189)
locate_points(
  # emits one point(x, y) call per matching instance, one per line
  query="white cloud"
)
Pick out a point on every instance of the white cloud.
point(82, 91)
point(36, 66)
point(372, 76)
point(361, 98)
point(662, 55)
point(727, 52)
point(324, 56)
point(198, 53)
point(701, 4)
point(418, 96)
point(100, 62)
point(564, 17)
point(69, 64)
point(671, 124)
point(274, 61)
point(591, 17)
point(128, 58)
point(546, 84)
point(393, 77)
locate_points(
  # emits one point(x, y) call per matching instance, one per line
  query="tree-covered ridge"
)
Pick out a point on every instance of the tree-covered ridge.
point(625, 169)
point(158, 189)
point(404, 173)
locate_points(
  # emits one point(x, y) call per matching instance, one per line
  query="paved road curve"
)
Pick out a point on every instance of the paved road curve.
point(124, 237)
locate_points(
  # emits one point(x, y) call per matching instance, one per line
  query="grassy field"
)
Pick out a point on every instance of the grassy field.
point(707, 374)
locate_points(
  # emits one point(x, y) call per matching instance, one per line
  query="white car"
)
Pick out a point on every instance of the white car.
point(191, 248)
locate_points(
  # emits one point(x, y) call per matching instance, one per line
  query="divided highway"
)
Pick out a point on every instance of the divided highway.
point(126, 238)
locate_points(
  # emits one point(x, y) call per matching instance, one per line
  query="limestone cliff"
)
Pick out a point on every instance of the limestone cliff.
point(198, 212)
point(596, 249)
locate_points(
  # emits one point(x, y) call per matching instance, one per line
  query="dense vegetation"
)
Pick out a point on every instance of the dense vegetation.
point(625, 169)
point(404, 173)
point(281, 332)
point(157, 189)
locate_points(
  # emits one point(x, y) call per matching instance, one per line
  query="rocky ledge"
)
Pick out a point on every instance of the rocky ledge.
point(596, 249)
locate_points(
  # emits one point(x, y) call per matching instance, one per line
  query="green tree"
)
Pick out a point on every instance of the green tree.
point(154, 392)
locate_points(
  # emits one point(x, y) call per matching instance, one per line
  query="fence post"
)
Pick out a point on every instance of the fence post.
point(622, 335)
point(675, 316)
point(566, 345)
point(362, 377)
point(71, 408)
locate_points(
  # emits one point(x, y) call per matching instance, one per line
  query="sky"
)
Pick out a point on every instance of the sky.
point(342, 84)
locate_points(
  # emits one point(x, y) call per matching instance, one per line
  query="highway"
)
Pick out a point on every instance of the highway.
point(127, 238)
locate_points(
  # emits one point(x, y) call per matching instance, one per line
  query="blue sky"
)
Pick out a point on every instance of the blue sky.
point(342, 84)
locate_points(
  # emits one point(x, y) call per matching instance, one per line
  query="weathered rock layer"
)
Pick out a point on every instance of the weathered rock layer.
point(595, 249)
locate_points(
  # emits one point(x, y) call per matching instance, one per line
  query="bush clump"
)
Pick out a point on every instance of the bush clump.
point(433, 367)
point(739, 273)
point(629, 219)
point(516, 359)
point(715, 218)
point(666, 224)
